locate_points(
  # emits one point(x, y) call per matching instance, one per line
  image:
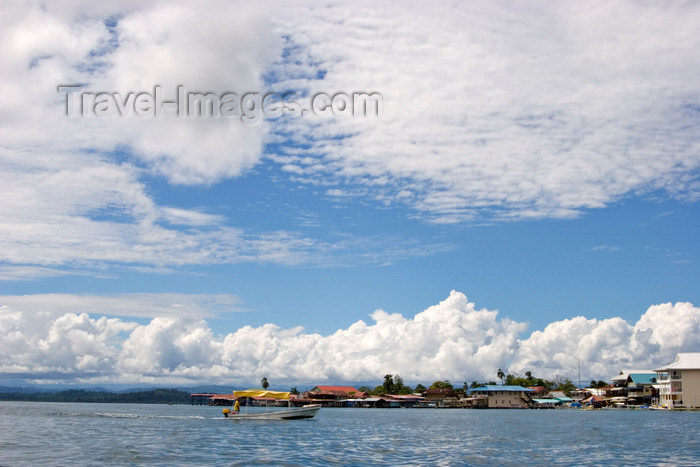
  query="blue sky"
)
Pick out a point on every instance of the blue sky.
point(528, 196)
point(607, 262)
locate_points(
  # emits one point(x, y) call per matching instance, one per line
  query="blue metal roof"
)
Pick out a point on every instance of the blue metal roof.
point(643, 378)
point(491, 388)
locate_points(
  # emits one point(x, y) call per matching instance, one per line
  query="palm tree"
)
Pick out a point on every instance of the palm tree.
point(501, 375)
point(264, 383)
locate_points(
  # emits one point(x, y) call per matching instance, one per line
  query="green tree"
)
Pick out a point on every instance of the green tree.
point(388, 384)
point(563, 384)
point(500, 375)
point(442, 385)
point(420, 388)
point(294, 391)
point(264, 383)
point(400, 387)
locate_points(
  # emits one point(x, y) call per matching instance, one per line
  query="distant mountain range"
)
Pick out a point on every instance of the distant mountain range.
point(216, 389)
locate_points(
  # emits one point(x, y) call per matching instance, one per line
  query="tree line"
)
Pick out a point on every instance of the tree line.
point(153, 396)
point(394, 384)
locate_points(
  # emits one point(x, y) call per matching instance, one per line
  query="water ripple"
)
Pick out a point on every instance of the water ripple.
point(114, 434)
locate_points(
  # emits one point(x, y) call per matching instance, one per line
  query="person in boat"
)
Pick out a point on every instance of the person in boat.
point(236, 406)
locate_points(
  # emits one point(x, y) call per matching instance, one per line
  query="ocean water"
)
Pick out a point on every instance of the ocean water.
point(44, 434)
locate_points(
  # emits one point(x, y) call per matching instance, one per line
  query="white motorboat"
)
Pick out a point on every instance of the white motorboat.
point(290, 413)
point(294, 413)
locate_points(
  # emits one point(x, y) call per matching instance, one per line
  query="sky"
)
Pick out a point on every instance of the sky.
point(521, 191)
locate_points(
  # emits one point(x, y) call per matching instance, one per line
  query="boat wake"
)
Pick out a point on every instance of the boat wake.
point(128, 415)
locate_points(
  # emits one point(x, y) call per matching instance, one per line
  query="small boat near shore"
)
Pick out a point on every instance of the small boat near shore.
point(290, 413)
point(295, 413)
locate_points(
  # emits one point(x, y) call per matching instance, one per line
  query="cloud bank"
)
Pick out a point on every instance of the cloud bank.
point(499, 112)
point(451, 340)
point(490, 113)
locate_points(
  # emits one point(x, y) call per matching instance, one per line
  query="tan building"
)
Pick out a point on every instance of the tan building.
point(679, 382)
point(504, 397)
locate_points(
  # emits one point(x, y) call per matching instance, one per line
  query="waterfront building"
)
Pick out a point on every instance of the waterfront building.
point(442, 397)
point(561, 397)
point(538, 392)
point(635, 386)
point(679, 381)
point(579, 395)
point(504, 397)
point(330, 396)
point(640, 387)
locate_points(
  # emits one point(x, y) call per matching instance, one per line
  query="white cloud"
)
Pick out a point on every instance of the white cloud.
point(489, 112)
point(72, 193)
point(81, 210)
point(73, 189)
point(501, 112)
point(217, 46)
point(19, 273)
point(605, 248)
point(451, 340)
point(142, 305)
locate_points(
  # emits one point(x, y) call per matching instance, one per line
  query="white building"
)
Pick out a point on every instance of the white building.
point(679, 382)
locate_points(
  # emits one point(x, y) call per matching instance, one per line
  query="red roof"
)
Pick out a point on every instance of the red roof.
point(222, 396)
point(405, 397)
point(335, 391)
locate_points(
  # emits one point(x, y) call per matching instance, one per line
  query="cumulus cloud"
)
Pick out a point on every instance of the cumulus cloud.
point(451, 340)
point(116, 47)
point(72, 193)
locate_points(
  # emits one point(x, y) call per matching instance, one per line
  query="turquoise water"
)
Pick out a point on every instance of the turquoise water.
point(129, 434)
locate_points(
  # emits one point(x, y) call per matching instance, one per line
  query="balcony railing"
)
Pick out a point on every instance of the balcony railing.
point(667, 377)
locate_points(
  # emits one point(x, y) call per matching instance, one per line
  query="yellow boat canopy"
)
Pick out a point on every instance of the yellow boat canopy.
point(261, 393)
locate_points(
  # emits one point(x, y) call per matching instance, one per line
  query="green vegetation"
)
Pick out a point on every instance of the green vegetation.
point(153, 396)
point(441, 385)
point(393, 384)
point(529, 380)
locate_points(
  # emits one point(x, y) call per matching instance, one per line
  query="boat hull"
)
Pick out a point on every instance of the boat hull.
point(307, 411)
